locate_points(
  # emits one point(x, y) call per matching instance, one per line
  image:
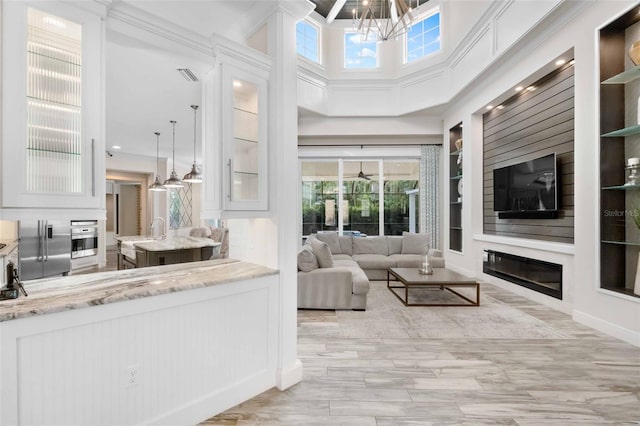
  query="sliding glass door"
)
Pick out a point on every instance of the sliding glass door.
point(361, 197)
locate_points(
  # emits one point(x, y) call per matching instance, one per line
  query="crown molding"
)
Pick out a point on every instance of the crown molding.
point(142, 21)
point(223, 48)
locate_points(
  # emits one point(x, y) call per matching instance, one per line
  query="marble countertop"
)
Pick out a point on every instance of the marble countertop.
point(10, 245)
point(175, 243)
point(50, 295)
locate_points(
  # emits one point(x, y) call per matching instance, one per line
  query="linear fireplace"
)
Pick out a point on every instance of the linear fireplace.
point(538, 275)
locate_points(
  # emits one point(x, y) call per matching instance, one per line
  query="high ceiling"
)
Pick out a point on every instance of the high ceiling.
point(324, 6)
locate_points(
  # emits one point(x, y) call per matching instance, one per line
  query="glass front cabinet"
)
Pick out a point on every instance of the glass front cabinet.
point(236, 131)
point(52, 146)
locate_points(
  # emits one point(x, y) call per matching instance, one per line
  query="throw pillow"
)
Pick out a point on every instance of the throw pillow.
point(322, 252)
point(307, 261)
point(331, 238)
point(415, 243)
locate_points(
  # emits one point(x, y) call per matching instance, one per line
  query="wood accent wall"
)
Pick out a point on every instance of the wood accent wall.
point(533, 124)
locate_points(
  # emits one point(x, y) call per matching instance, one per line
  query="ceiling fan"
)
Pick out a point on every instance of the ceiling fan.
point(361, 174)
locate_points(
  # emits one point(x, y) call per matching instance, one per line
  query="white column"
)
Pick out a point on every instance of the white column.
point(285, 198)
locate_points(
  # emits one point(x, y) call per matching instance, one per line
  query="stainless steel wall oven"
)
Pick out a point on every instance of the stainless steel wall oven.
point(84, 238)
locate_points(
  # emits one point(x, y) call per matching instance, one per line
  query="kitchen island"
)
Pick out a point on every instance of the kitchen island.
point(140, 251)
point(170, 344)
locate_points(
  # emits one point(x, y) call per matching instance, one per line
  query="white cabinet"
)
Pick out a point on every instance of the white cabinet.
point(235, 134)
point(52, 80)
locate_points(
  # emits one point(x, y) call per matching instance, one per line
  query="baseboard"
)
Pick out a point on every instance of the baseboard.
point(607, 327)
point(288, 377)
point(463, 271)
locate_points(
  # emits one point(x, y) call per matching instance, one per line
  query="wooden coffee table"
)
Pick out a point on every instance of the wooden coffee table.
point(441, 277)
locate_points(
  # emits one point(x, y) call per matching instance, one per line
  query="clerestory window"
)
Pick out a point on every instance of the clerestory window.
point(423, 38)
point(360, 51)
point(308, 41)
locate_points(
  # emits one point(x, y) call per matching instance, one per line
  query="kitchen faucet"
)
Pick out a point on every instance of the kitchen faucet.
point(164, 227)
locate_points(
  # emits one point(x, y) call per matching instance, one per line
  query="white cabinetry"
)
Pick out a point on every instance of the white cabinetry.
point(52, 80)
point(236, 142)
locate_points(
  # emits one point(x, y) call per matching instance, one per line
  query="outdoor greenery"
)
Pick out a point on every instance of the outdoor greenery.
point(364, 204)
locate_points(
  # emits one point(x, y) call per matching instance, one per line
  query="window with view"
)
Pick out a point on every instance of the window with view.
point(423, 38)
point(363, 196)
point(307, 41)
point(360, 51)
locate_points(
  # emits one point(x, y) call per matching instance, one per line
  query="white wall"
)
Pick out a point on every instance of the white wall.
point(474, 35)
point(615, 314)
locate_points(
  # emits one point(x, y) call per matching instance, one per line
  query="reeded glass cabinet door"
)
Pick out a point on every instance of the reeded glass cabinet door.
point(54, 104)
point(52, 132)
point(245, 140)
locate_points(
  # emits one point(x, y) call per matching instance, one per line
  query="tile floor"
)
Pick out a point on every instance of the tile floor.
point(508, 362)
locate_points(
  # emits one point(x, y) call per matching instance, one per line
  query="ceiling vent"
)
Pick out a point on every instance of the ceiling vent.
point(187, 74)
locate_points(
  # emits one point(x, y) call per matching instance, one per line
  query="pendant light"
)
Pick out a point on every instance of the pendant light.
point(173, 181)
point(156, 185)
point(194, 176)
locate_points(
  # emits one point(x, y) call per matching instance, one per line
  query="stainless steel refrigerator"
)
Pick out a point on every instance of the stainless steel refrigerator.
point(45, 248)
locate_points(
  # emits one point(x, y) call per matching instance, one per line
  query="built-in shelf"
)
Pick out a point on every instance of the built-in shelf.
point(621, 187)
point(455, 188)
point(627, 131)
point(53, 150)
point(624, 77)
point(245, 110)
point(245, 173)
point(621, 243)
point(245, 140)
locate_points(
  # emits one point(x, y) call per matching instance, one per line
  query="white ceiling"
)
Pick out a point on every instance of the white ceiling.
point(143, 89)
point(143, 93)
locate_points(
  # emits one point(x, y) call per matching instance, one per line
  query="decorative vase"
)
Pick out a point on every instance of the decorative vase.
point(634, 53)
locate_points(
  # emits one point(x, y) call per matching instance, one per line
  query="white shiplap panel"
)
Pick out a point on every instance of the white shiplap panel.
point(183, 354)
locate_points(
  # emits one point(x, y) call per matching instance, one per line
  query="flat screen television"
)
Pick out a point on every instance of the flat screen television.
point(527, 190)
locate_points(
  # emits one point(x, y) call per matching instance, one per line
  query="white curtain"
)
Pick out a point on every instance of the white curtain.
point(429, 193)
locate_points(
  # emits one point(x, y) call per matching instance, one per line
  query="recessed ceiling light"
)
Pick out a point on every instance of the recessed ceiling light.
point(500, 107)
point(236, 83)
point(560, 62)
point(115, 146)
point(519, 89)
point(489, 106)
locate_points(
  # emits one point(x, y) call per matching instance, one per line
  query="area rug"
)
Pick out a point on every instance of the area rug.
point(387, 317)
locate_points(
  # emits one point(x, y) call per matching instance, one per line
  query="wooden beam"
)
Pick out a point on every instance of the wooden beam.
point(337, 6)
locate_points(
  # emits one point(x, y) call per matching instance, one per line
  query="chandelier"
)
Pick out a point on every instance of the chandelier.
point(384, 19)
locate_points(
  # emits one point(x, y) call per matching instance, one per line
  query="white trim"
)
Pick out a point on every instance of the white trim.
point(527, 243)
point(287, 377)
point(617, 294)
point(629, 336)
point(357, 152)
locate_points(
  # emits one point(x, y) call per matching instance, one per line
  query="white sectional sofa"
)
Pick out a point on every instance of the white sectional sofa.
point(334, 271)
